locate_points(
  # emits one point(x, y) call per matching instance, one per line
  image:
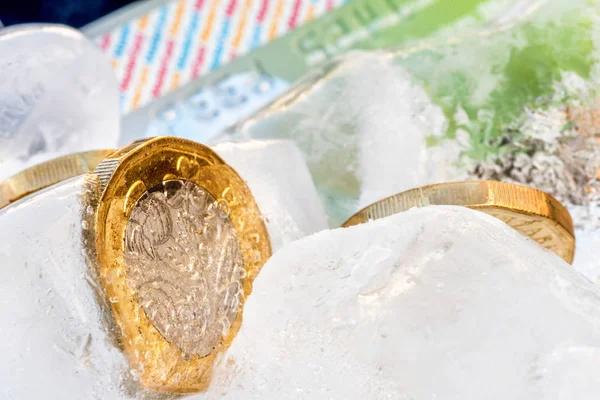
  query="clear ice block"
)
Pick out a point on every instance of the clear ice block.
point(58, 95)
point(363, 126)
point(54, 340)
point(281, 184)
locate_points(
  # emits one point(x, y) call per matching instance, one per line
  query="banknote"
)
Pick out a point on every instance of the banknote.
point(192, 68)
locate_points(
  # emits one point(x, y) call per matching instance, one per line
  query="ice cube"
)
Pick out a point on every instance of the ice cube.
point(364, 125)
point(278, 177)
point(58, 95)
point(55, 340)
point(437, 302)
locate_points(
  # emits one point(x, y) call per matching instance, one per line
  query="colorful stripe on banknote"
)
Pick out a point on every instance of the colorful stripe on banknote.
point(182, 40)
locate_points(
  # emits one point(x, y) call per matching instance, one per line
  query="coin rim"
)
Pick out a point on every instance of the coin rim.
point(519, 199)
point(48, 173)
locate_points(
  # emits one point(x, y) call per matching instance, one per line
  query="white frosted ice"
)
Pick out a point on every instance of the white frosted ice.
point(364, 125)
point(587, 254)
point(570, 372)
point(278, 177)
point(434, 303)
point(395, 116)
point(58, 95)
point(53, 338)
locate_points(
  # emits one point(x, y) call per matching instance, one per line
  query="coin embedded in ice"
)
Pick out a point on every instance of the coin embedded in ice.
point(531, 212)
point(177, 240)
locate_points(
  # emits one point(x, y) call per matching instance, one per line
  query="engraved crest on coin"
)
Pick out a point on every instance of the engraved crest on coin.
point(183, 259)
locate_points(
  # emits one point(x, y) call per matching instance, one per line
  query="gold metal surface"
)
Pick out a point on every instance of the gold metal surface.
point(164, 357)
point(531, 212)
point(48, 173)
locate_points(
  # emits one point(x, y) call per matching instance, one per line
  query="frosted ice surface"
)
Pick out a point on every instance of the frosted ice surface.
point(587, 260)
point(587, 235)
point(570, 372)
point(437, 302)
point(364, 126)
point(278, 177)
point(58, 95)
point(53, 338)
point(396, 117)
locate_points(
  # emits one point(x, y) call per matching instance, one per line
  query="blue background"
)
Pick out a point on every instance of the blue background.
point(75, 13)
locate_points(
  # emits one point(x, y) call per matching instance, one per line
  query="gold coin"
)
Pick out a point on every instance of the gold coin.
point(533, 213)
point(48, 173)
point(177, 241)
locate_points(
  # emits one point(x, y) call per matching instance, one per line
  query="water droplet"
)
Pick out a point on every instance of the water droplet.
point(113, 300)
point(84, 224)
